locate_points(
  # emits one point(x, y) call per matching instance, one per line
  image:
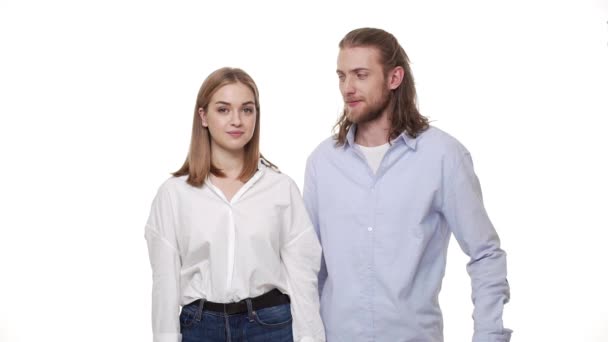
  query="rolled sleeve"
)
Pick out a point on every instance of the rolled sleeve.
point(504, 336)
point(301, 257)
point(467, 218)
point(168, 337)
point(310, 201)
point(166, 265)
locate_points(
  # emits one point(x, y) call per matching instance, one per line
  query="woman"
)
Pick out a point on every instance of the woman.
point(228, 236)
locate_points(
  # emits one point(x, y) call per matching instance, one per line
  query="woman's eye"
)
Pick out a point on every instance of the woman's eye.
point(222, 110)
point(248, 110)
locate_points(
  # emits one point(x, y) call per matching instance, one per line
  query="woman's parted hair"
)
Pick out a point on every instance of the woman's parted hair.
point(198, 163)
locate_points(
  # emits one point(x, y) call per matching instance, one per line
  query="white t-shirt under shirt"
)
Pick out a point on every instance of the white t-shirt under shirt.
point(374, 155)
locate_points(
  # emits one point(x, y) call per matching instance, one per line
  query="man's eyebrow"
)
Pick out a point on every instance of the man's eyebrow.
point(338, 71)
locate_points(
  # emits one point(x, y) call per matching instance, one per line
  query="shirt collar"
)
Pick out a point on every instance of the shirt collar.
point(350, 135)
point(409, 141)
point(262, 166)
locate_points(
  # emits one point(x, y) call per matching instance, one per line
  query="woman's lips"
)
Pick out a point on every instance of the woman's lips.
point(236, 134)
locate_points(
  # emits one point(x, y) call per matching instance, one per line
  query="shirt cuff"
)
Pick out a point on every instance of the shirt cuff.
point(308, 339)
point(504, 336)
point(168, 337)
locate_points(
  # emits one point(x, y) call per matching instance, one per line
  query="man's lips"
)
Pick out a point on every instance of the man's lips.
point(353, 103)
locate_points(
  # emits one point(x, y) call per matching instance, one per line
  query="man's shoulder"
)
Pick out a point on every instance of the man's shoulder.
point(324, 149)
point(329, 144)
point(436, 140)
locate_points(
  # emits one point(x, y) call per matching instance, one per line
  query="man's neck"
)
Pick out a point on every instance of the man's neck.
point(375, 132)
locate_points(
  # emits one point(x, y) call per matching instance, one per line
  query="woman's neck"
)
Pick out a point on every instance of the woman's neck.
point(230, 162)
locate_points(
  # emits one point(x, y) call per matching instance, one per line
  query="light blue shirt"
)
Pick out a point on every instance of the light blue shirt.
point(385, 239)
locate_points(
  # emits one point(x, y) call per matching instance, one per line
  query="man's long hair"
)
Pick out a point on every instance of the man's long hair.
point(402, 107)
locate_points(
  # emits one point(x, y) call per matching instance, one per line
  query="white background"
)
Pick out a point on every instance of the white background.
point(96, 103)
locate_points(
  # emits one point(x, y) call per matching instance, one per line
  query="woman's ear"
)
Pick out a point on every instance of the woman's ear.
point(203, 115)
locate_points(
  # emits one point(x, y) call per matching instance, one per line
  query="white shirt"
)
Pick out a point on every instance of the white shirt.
point(203, 246)
point(374, 155)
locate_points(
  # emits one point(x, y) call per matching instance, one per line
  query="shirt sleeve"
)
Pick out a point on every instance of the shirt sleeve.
point(467, 218)
point(166, 265)
point(301, 258)
point(310, 201)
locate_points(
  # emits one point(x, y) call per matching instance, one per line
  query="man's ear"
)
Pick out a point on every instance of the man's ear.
point(395, 77)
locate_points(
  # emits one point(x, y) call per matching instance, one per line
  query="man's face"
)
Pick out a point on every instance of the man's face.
point(362, 83)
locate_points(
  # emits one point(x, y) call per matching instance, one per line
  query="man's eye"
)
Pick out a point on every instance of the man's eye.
point(361, 76)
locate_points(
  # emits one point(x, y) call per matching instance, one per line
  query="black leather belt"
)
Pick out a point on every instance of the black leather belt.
point(268, 299)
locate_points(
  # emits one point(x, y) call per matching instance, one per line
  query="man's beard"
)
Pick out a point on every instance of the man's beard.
point(373, 112)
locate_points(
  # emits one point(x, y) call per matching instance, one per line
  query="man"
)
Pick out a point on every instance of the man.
point(385, 194)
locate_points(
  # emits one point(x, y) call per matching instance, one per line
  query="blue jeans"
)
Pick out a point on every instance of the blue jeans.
point(268, 324)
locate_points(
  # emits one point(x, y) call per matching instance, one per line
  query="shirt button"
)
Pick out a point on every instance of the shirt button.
point(369, 229)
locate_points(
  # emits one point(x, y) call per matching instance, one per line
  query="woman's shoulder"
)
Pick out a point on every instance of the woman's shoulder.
point(172, 184)
point(274, 175)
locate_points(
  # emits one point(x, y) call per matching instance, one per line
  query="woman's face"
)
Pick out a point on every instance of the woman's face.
point(230, 117)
